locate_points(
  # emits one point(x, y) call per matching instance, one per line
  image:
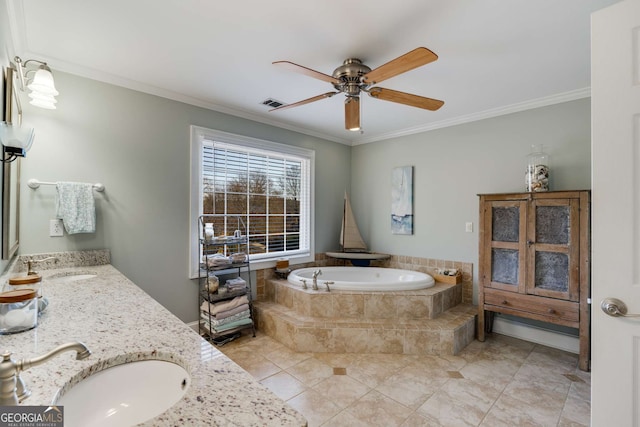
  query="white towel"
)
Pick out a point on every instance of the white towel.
point(224, 305)
point(227, 313)
point(215, 322)
point(76, 207)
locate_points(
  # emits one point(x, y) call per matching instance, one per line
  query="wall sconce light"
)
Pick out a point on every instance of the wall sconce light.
point(43, 90)
point(16, 140)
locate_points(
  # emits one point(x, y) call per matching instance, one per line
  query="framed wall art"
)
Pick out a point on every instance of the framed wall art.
point(402, 200)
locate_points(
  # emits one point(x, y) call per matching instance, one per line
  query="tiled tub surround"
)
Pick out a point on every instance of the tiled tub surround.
point(424, 265)
point(366, 305)
point(439, 320)
point(119, 322)
point(427, 321)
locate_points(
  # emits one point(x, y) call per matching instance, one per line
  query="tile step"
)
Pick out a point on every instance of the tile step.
point(447, 334)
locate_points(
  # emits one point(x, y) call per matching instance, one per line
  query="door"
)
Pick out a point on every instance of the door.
point(553, 240)
point(615, 92)
point(505, 248)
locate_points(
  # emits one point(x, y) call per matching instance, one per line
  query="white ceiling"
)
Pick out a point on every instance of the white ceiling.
point(495, 56)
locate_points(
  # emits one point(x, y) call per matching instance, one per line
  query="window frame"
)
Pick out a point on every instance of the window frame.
point(198, 135)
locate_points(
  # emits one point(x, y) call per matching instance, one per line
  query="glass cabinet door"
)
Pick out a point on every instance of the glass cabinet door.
point(506, 223)
point(553, 242)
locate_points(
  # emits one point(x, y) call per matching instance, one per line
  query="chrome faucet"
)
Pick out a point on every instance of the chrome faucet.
point(316, 273)
point(12, 388)
point(327, 283)
point(32, 261)
point(304, 283)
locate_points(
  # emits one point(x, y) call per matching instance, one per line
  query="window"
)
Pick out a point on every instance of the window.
point(267, 184)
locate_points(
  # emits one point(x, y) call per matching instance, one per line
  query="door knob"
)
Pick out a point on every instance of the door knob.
point(615, 308)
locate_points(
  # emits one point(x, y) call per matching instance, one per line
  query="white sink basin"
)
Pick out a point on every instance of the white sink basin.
point(125, 395)
point(72, 277)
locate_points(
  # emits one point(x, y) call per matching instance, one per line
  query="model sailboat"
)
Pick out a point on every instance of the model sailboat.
point(353, 246)
point(350, 237)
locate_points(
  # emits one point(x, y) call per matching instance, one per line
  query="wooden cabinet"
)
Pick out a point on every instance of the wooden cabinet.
point(534, 260)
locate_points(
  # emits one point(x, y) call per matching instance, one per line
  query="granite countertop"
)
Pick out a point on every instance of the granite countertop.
point(119, 322)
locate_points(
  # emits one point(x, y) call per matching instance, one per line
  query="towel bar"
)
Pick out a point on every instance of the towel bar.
point(34, 183)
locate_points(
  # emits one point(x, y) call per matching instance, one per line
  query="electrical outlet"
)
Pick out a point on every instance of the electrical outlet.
point(468, 227)
point(55, 228)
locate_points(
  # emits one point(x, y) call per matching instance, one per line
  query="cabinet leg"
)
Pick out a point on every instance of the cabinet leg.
point(485, 324)
point(584, 361)
point(480, 326)
point(490, 315)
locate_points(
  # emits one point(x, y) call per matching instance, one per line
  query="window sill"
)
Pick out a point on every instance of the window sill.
point(263, 264)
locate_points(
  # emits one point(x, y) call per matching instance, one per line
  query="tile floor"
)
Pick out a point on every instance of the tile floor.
point(501, 382)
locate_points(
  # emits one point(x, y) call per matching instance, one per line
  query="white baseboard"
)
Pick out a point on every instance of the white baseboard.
point(194, 325)
point(537, 335)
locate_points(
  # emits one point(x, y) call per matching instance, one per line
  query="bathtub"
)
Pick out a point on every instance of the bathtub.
point(364, 278)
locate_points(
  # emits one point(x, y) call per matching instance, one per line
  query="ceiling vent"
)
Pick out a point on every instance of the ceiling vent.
point(272, 103)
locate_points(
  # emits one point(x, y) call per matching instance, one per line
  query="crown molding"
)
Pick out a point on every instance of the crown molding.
point(487, 114)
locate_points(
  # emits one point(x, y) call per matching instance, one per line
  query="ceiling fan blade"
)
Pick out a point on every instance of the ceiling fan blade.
point(307, 71)
point(305, 101)
point(352, 113)
point(406, 98)
point(414, 59)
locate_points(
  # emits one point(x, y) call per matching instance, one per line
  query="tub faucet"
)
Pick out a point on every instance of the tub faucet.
point(304, 283)
point(327, 283)
point(12, 388)
point(316, 273)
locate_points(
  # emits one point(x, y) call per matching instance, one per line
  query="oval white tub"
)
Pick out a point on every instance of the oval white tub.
point(364, 278)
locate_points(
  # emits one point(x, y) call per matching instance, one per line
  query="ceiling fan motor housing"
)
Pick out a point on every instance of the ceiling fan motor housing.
point(350, 75)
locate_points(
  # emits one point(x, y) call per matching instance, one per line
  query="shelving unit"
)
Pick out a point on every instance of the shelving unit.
point(222, 255)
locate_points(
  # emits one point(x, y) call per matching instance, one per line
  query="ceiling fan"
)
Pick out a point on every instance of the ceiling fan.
point(354, 77)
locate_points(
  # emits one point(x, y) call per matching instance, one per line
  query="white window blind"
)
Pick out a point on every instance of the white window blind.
point(267, 184)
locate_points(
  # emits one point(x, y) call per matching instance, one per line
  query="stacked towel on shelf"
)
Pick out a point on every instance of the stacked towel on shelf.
point(235, 284)
point(215, 308)
point(225, 315)
point(238, 258)
point(216, 260)
point(228, 326)
point(224, 321)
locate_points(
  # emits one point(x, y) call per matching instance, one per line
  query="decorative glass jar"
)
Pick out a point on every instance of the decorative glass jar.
point(537, 174)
